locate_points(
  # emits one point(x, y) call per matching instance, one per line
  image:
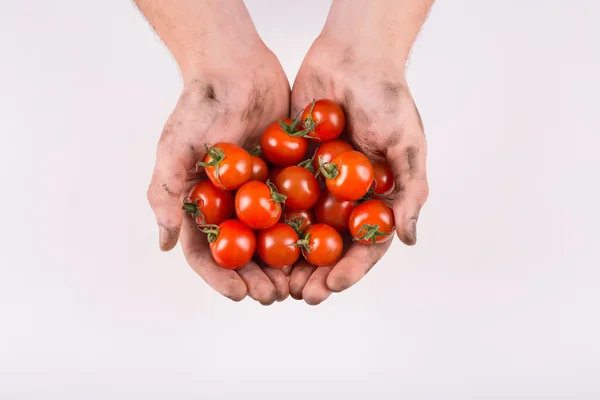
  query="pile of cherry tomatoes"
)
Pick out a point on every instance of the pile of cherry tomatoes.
point(286, 205)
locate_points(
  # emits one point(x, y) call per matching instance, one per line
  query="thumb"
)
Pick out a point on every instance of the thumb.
point(164, 196)
point(407, 160)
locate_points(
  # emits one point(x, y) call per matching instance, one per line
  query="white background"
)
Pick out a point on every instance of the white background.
point(499, 300)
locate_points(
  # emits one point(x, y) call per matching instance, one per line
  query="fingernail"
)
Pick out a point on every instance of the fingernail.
point(411, 232)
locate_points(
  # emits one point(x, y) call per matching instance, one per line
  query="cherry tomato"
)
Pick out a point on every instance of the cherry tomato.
point(209, 204)
point(324, 119)
point(300, 219)
point(331, 211)
point(280, 147)
point(321, 245)
point(276, 246)
point(384, 179)
point(349, 175)
point(327, 151)
point(227, 165)
point(299, 185)
point(372, 222)
point(232, 244)
point(257, 205)
point(260, 171)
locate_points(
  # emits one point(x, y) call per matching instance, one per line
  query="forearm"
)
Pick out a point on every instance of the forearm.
point(194, 30)
point(381, 24)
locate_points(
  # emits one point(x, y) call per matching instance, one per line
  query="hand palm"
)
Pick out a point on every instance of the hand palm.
point(232, 104)
point(382, 122)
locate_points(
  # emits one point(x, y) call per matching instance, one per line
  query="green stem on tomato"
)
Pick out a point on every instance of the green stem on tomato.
point(217, 156)
point(212, 232)
point(275, 195)
point(371, 232)
point(193, 209)
point(304, 244)
point(327, 169)
point(295, 224)
point(256, 151)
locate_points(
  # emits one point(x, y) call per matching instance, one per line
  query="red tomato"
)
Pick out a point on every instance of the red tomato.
point(372, 222)
point(276, 246)
point(299, 219)
point(280, 147)
point(260, 171)
point(299, 185)
point(349, 175)
point(232, 244)
point(227, 165)
point(209, 204)
point(331, 211)
point(384, 179)
point(327, 151)
point(321, 245)
point(257, 205)
point(324, 119)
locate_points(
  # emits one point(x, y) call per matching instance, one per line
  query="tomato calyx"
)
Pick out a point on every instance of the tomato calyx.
point(328, 169)
point(371, 232)
point(290, 129)
point(309, 123)
point(295, 223)
point(308, 164)
point(193, 208)
point(256, 151)
point(275, 195)
point(212, 232)
point(217, 156)
point(304, 244)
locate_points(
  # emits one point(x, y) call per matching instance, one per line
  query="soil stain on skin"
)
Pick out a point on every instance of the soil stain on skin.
point(169, 192)
point(256, 104)
point(209, 93)
point(411, 159)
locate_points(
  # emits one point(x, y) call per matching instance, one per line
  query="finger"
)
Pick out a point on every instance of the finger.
point(197, 253)
point(355, 264)
point(260, 288)
point(316, 290)
point(279, 280)
point(300, 275)
point(164, 196)
point(306, 89)
point(407, 160)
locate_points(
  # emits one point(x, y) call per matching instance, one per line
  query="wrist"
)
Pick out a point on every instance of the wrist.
point(386, 28)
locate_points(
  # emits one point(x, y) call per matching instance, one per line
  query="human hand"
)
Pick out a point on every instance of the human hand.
point(383, 122)
point(229, 97)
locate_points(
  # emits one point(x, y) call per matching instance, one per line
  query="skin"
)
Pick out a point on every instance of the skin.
point(364, 71)
point(227, 96)
point(233, 95)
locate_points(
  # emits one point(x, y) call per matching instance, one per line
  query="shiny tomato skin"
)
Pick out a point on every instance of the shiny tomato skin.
point(354, 178)
point(234, 170)
point(280, 148)
point(235, 245)
point(372, 212)
point(305, 217)
point(325, 244)
point(329, 118)
point(215, 205)
point(299, 185)
point(260, 171)
point(255, 207)
point(384, 179)
point(276, 246)
point(334, 212)
point(328, 150)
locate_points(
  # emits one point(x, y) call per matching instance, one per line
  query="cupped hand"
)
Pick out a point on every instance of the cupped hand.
point(383, 122)
point(228, 98)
